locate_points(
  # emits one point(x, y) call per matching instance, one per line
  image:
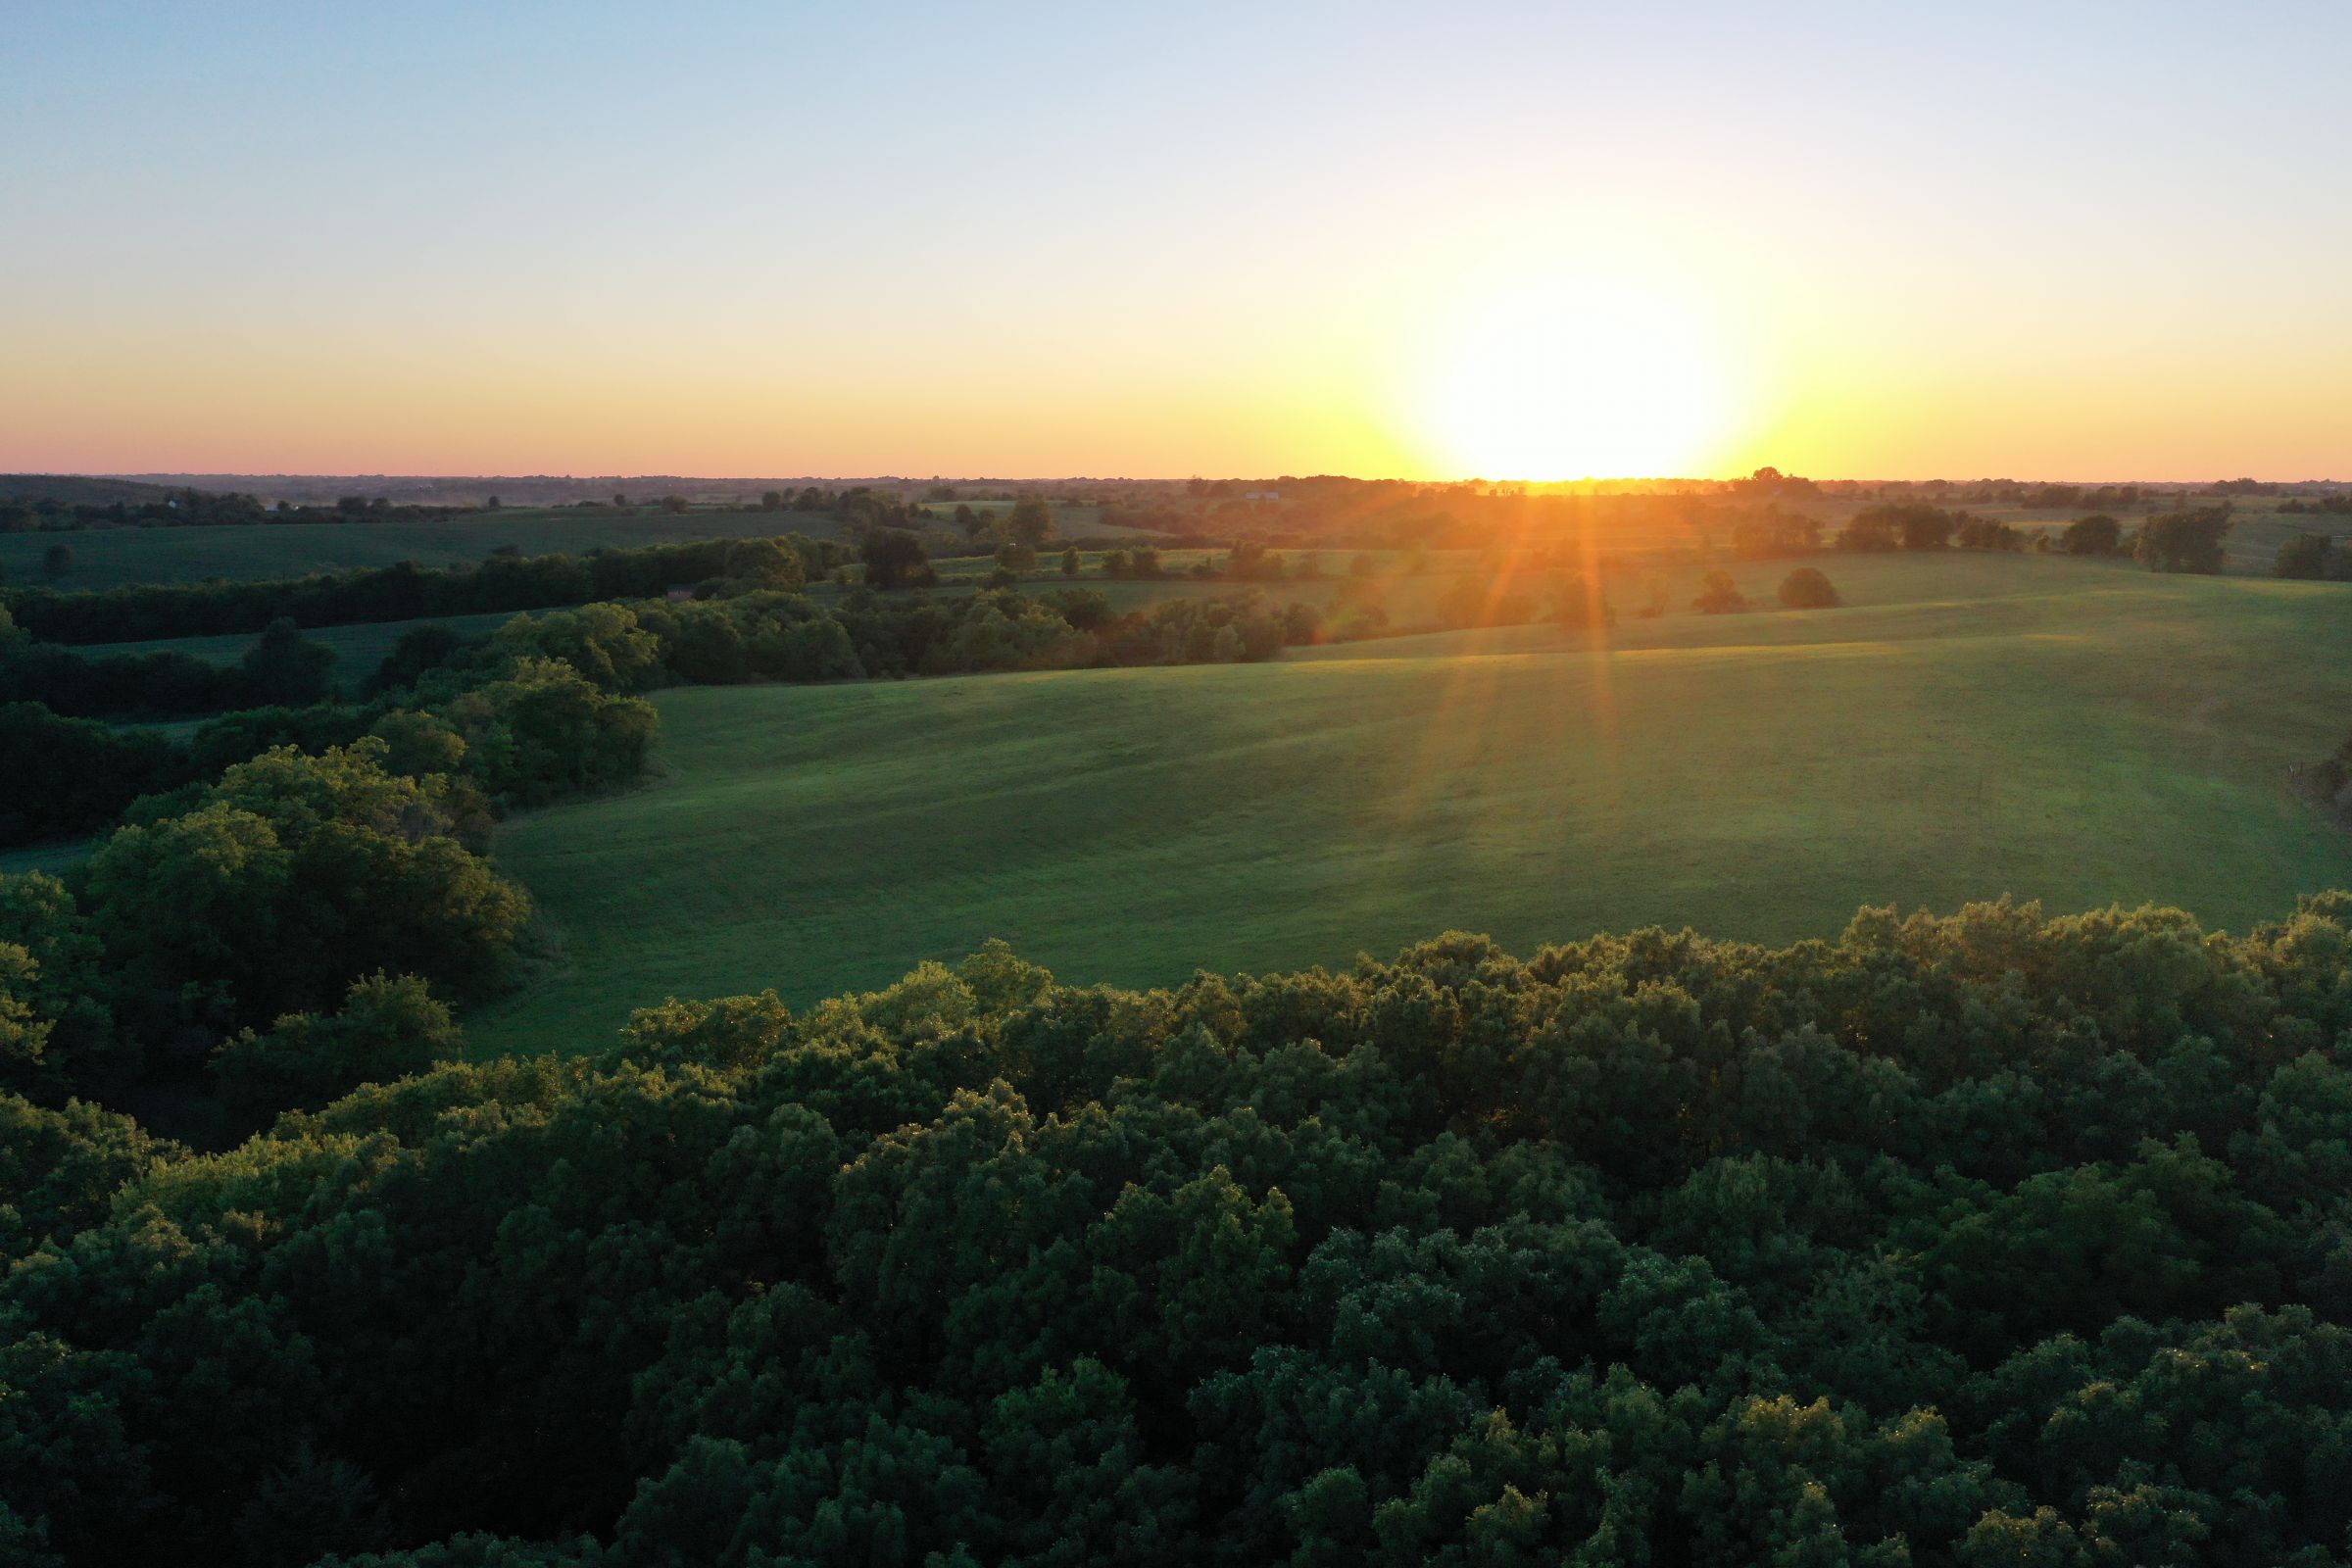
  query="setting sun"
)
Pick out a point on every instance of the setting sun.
point(1571, 378)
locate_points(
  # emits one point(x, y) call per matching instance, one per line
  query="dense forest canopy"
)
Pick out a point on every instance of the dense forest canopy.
point(1988, 1239)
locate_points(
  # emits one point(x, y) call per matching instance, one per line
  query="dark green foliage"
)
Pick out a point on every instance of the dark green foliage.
point(68, 776)
point(2308, 556)
point(2331, 780)
point(1977, 1240)
point(1201, 631)
point(767, 563)
point(1030, 522)
point(57, 1025)
point(1808, 588)
point(60, 1169)
point(420, 651)
point(270, 892)
point(404, 592)
point(1774, 532)
point(895, 558)
point(1580, 603)
point(1899, 525)
point(282, 668)
point(544, 731)
point(388, 1028)
point(2184, 541)
point(1971, 532)
point(2095, 535)
point(1478, 600)
point(1719, 595)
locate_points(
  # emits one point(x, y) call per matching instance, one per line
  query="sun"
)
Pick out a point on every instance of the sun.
point(1565, 380)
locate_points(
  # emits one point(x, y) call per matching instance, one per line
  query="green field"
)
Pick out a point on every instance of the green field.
point(2078, 732)
point(50, 858)
point(110, 558)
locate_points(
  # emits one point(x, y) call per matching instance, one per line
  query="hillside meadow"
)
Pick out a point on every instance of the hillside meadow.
point(2081, 733)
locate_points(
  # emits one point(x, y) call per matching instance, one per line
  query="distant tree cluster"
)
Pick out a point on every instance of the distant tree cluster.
point(1808, 588)
point(227, 905)
point(1774, 532)
point(2095, 535)
point(2184, 541)
point(1985, 1240)
point(1141, 561)
point(2313, 557)
point(1899, 525)
point(1719, 595)
point(775, 636)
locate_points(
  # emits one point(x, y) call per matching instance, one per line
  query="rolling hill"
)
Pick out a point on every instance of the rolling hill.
point(1969, 726)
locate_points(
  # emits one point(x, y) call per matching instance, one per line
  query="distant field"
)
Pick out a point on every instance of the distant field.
point(2073, 731)
point(42, 856)
point(2252, 545)
point(109, 557)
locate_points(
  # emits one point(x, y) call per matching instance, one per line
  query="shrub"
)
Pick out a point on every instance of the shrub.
point(2095, 535)
point(1808, 588)
point(2308, 556)
point(1582, 603)
point(2186, 541)
point(1718, 595)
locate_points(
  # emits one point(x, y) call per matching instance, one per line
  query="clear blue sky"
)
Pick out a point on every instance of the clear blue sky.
point(2088, 240)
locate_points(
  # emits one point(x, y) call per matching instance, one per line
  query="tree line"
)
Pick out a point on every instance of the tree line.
point(1988, 1239)
point(78, 774)
point(190, 507)
point(282, 668)
point(2181, 540)
point(408, 592)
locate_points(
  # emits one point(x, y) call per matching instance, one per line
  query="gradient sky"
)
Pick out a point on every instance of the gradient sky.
point(1892, 240)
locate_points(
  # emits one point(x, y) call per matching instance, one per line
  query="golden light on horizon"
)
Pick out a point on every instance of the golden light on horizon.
point(1571, 377)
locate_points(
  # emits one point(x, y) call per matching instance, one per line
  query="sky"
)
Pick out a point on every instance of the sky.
point(1900, 241)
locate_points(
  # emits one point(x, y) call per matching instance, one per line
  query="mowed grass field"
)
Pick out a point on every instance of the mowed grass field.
point(2078, 732)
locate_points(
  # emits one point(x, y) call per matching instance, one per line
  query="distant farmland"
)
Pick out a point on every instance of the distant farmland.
point(109, 557)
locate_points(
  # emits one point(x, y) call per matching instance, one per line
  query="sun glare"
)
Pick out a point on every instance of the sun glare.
point(1566, 380)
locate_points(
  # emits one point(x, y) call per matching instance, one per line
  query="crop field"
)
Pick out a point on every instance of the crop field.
point(2072, 731)
point(110, 558)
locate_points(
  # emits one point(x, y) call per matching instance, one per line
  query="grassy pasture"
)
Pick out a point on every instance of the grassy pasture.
point(2073, 731)
point(50, 858)
point(111, 558)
